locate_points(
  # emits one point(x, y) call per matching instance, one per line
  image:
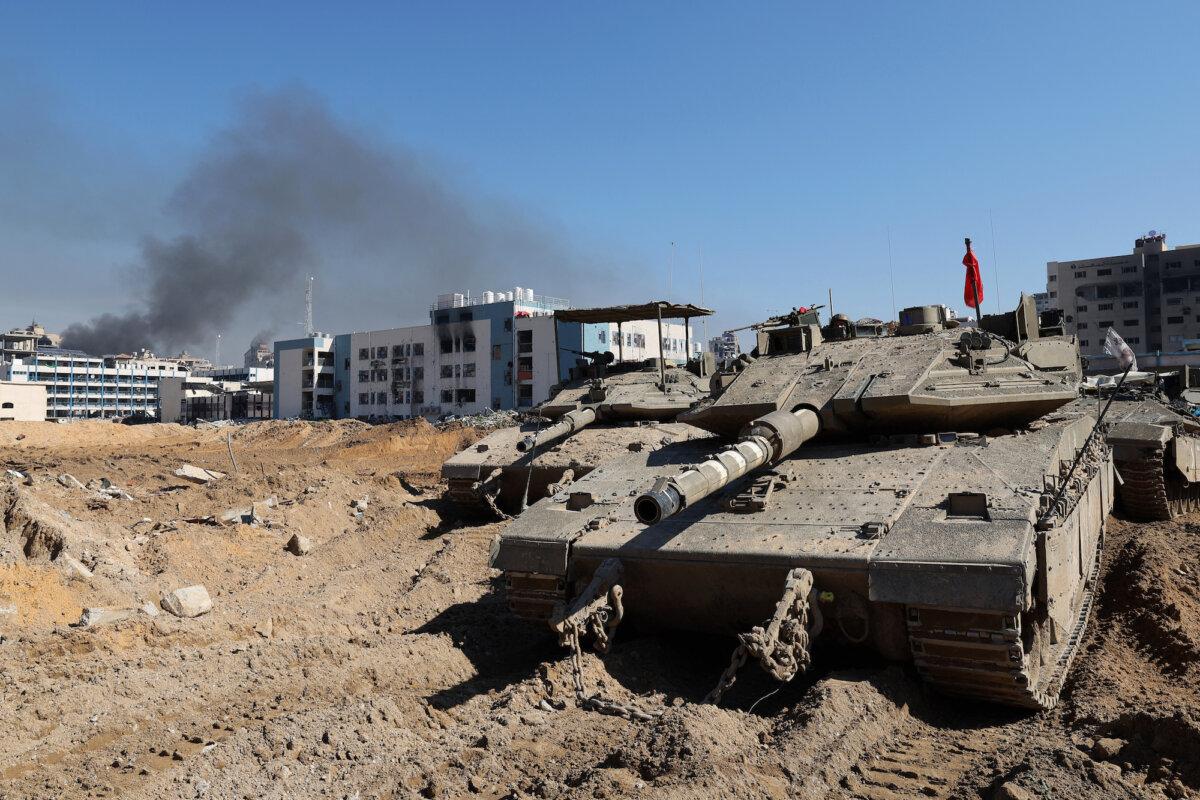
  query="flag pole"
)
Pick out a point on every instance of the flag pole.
point(975, 292)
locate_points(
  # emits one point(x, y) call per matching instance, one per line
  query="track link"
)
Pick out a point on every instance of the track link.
point(981, 655)
point(1149, 494)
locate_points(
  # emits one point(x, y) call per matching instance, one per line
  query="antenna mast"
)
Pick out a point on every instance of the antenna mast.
point(308, 308)
point(703, 320)
point(671, 274)
point(892, 274)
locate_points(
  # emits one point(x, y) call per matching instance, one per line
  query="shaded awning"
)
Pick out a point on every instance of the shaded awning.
point(631, 313)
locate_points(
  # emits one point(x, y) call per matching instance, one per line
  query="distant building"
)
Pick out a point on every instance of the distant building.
point(725, 346)
point(188, 399)
point(1150, 296)
point(80, 385)
point(494, 351)
point(22, 402)
point(260, 354)
point(24, 342)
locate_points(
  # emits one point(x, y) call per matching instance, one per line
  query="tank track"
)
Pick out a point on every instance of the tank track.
point(980, 655)
point(469, 493)
point(1148, 494)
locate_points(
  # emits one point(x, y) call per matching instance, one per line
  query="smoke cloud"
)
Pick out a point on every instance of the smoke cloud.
point(289, 189)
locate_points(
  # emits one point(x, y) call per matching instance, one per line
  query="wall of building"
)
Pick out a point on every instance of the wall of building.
point(290, 371)
point(22, 402)
point(642, 340)
point(1150, 296)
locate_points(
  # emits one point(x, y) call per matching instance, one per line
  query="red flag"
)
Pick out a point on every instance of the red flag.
point(973, 290)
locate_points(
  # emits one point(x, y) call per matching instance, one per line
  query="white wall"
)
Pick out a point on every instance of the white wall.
point(27, 401)
point(648, 328)
point(289, 374)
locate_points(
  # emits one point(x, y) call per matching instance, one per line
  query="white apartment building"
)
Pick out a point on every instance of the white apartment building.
point(79, 385)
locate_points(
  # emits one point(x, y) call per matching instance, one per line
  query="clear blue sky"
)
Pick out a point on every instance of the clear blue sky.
point(782, 139)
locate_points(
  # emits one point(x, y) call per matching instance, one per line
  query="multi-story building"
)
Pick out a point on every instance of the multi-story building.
point(1151, 296)
point(725, 346)
point(79, 385)
point(496, 351)
point(24, 342)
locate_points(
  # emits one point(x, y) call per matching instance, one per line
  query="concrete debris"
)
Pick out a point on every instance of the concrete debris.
point(15, 474)
point(360, 504)
point(198, 474)
point(299, 545)
point(70, 481)
point(265, 628)
point(99, 484)
point(8, 609)
point(103, 615)
point(77, 567)
point(487, 419)
point(189, 601)
point(149, 609)
point(252, 514)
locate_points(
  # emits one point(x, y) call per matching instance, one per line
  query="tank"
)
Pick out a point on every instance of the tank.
point(1156, 448)
point(607, 407)
point(937, 497)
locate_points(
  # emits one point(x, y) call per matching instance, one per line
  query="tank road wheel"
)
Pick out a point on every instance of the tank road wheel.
point(1148, 494)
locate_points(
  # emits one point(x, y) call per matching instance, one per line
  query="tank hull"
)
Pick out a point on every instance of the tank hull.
point(937, 555)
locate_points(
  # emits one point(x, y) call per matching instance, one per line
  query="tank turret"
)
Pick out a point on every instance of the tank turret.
point(607, 393)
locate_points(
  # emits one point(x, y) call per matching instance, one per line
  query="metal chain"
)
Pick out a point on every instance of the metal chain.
point(595, 702)
point(781, 647)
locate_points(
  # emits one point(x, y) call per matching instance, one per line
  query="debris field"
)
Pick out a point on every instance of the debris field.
point(290, 609)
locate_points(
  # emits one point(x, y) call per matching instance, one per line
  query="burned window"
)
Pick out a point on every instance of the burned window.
point(466, 395)
point(364, 376)
point(418, 349)
point(364, 353)
point(447, 371)
point(447, 345)
point(447, 395)
point(468, 344)
point(468, 370)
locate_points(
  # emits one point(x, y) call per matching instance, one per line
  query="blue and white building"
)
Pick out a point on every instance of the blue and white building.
point(80, 385)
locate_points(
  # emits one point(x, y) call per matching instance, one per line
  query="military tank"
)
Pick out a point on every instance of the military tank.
point(1156, 448)
point(605, 408)
point(929, 496)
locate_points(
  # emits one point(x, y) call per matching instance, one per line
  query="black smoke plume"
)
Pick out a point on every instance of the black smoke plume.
point(289, 190)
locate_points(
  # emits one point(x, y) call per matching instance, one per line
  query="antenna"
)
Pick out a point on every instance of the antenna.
point(995, 266)
point(671, 274)
point(703, 320)
point(217, 355)
point(892, 274)
point(308, 308)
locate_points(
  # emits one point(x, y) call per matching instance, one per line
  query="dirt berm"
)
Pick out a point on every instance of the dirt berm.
point(383, 663)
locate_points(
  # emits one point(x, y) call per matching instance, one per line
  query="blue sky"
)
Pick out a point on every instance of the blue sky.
point(782, 139)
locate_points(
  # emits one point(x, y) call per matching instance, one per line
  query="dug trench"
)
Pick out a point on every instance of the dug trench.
point(382, 663)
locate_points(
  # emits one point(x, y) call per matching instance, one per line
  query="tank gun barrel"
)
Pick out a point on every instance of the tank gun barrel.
point(567, 424)
point(767, 440)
